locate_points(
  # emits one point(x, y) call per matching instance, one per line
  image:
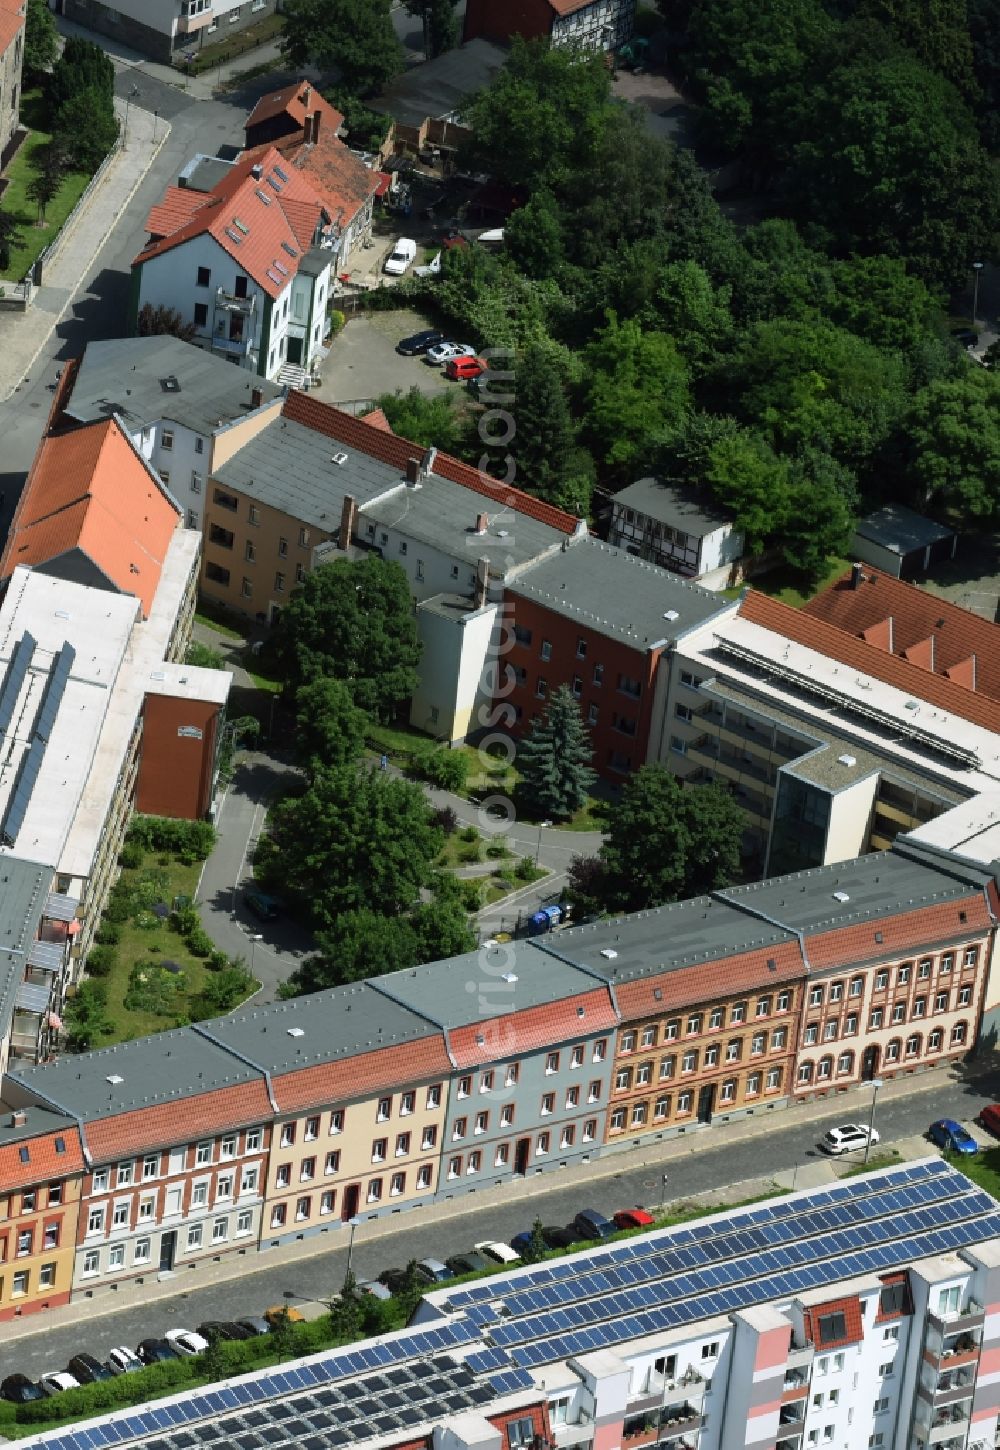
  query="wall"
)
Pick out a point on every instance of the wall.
point(256, 584)
point(231, 437)
point(590, 25)
point(429, 570)
point(144, 25)
point(177, 766)
point(451, 688)
point(10, 89)
point(850, 819)
point(181, 458)
point(499, 19)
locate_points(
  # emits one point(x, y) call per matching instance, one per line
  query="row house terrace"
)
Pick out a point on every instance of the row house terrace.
point(530, 1040)
point(41, 1170)
point(176, 1132)
point(709, 1005)
point(360, 1086)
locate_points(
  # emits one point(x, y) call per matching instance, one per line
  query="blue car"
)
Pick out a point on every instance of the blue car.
point(951, 1136)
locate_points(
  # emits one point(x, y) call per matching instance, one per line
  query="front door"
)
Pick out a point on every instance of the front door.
point(352, 1195)
point(294, 353)
point(869, 1063)
point(706, 1102)
point(168, 1248)
point(521, 1155)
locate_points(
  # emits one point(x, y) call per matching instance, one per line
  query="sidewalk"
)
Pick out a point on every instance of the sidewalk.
point(23, 335)
point(671, 1152)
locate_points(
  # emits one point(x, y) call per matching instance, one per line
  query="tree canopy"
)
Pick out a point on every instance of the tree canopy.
point(554, 759)
point(41, 39)
point(355, 37)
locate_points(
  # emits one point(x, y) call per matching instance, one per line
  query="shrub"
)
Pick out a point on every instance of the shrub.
point(496, 850)
point(446, 769)
point(199, 943)
point(468, 833)
point(446, 820)
point(505, 883)
point(191, 841)
point(525, 869)
point(131, 855)
point(471, 852)
point(119, 908)
point(100, 960)
point(152, 989)
point(109, 933)
point(203, 657)
point(337, 320)
point(217, 960)
point(472, 893)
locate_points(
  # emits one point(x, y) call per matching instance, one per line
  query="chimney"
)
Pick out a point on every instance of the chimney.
point(306, 96)
point(412, 472)
point(18, 1118)
point(429, 458)
point(256, 171)
point(348, 522)
point(482, 523)
point(256, 397)
point(856, 575)
point(482, 582)
point(316, 118)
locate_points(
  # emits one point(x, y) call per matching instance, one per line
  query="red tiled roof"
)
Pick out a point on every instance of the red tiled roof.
point(250, 220)
point(837, 644)
point(297, 101)
point(363, 1075)
point(389, 448)
point(377, 419)
point(11, 22)
point(917, 617)
point(533, 1028)
point(159, 1125)
point(341, 180)
point(710, 981)
point(910, 931)
point(175, 210)
point(89, 490)
point(44, 1163)
point(854, 1331)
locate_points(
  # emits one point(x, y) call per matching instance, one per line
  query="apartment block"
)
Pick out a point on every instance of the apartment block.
point(41, 1169)
point(162, 28)
point(865, 1314)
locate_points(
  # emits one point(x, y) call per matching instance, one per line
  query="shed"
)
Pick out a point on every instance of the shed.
point(901, 542)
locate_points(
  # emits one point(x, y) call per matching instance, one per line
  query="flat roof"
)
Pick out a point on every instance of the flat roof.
point(483, 984)
point(38, 1119)
point(970, 830)
point(323, 1027)
point(438, 87)
point(444, 515)
point(189, 682)
point(668, 503)
point(612, 591)
point(145, 379)
point(900, 530)
point(455, 607)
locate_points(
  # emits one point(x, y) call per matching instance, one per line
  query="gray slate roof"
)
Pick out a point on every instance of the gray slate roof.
point(679, 508)
point(900, 529)
point(24, 890)
point(128, 376)
point(438, 87)
point(612, 591)
point(477, 986)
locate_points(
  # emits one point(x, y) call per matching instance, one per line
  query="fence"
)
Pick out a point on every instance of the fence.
point(355, 405)
point(16, 296)
point(50, 252)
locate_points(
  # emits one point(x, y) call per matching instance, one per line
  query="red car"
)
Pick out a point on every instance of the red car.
point(633, 1218)
point(990, 1119)
point(460, 369)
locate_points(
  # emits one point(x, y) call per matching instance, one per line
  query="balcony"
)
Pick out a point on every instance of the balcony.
point(235, 346)
point(795, 1387)
point(800, 1356)
point(231, 302)
point(791, 1424)
point(949, 1424)
point(661, 1391)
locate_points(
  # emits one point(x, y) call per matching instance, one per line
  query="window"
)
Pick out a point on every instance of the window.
point(753, 1085)
point(618, 1119)
point(24, 1242)
point(845, 1063)
point(913, 1045)
point(576, 1057)
point(773, 1080)
point(600, 1051)
point(881, 981)
point(28, 1200)
point(254, 1140)
point(552, 1062)
point(836, 991)
point(249, 1179)
point(829, 1031)
point(815, 996)
point(964, 996)
point(876, 1018)
point(520, 1433)
point(638, 1115)
point(303, 1205)
point(763, 1006)
point(548, 1103)
point(454, 1167)
point(397, 1184)
point(307, 1170)
point(598, 675)
point(278, 1215)
point(715, 1018)
point(279, 583)
point(958, 1033)
point(379, 1148)
point(458, 1128)
point(424, 1176)
point(784, 1001)
point(710, 1351)
point(303, 538)
point(811, 1034)
point(590, 1130)
point(120, 1217)
point(729, 1090)
point(204, 276)
point(100, 1180)
point(644, 1074)
point(327, 1202)
point(947, 962)
point(194, 1236)
point(970, 956)
point(545, 652)
point(283, 1176)
point(733, 1050)
point(511, 1075)
point(919, 1007)
point(287, 1134)
point(711, 1056)
point(694, 1023)
point(672, 1031)
point(150, 1168)
point(429, 1138)
point(941, 1002)
point(223, 1186)
point(805, 1072)
point(147, 1206)
point(201, 318)
point(738, 1012)
point(95, 1220)
point(667, 1065)
point(904, 974)
point(403, 1143)
point(850, 1024)
point(779, 1037)
point(507, 1115)
point(832, 1327)
point(924, 969)
point(661, 1109)
point(283, 548)
point(689, 1062)
point(474, 1163)
point(434, 1096)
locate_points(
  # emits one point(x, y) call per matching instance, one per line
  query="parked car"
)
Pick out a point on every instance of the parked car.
point(225, 1329)
point(374, 1288)
point(498, 1253)
point(186, 1342)
point(264, 907)
point(633, 1218)
point(153, 1351)
point(277, 1312)
point(57, 1383)
point(443, 352)
point(417, 344)
point(402, 256)
point(469, 1263)
point(451, 237)
point(951, 1136)
point(87, 1369)
point(123, 1361)
point(20, 1389)
point(254, 1324)
point(434, 1271)
point(461, 369)
point(560, 1238)
point(990, 1119)
point(397, 1281)
point(521, 1243)
point(847, 1138)
point(593, 1225)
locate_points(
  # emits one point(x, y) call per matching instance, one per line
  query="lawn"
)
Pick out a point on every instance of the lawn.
point(215, 619)
point(983, 1169)
point(783, 584)
point(21, 172)
point(883, 1158)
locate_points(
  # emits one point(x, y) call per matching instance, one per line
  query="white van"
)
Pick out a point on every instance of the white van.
point(402, 256)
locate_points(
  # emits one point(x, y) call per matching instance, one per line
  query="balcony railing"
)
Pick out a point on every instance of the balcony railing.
point(238, 346)
point(231, 302)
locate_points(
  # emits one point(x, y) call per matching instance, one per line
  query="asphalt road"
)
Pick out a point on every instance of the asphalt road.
point(709, 1162)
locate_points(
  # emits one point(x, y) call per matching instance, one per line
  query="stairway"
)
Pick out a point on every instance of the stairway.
point(292, 376)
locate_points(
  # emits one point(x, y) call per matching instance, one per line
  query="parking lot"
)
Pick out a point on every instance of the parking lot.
point(363, 361)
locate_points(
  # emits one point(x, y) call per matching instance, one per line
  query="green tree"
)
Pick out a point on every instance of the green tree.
point(948, 446)
point(41, 39)
point(554, 759)
point(282, 1337)
point(984, 33)
point(623, 192)
point(665, 842)
point(429, 421)
point(442, 928)
point(936, 31)
point(638, 390)
point(355, 839)
point(87, 127)
point(11, 236)
point(353, 622)
point(82, 67)
point(347, 1310)
point(160, 321)
point(356, 945)
point(694, 311)
point(354, 36)
point(748, 479)
point(546, 436)
point(533, 235)
point(536, 1248)
point(329, 728)
point(441, 28)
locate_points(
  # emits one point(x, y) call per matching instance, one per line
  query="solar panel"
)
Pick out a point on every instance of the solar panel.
point(55, 688)
point(14, 678)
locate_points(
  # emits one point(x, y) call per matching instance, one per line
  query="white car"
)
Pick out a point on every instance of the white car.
point(446, 351)
point(499, 1253)
point(847, 1138)
point(186, 1341)
point(402, 256)
point(123, 1361)
point(54, 1384)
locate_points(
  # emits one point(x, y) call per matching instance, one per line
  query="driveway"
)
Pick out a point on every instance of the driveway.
point(363, 361)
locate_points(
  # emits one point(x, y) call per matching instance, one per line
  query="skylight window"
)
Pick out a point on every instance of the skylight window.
point(262, 195)
point(274, 185)
point(282, 175)
point(233, 236)
point(287, 247)
point(278, 267)
point(241, 226)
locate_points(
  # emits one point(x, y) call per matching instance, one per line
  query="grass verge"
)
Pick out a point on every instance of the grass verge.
point(884, 1158)
point(21, 172)
point(983, 1168)
point(782, 584)
point(215, 619)
point(219, 52)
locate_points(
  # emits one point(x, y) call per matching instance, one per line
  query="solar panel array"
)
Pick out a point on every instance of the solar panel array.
point(14, 679)
point(658, 1282)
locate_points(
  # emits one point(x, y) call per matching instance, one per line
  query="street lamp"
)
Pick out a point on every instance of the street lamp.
point(542, 825)
point(133, 93)
point(352, 1224)
point(876, 1084)
point(255, 937)
point(977, 267)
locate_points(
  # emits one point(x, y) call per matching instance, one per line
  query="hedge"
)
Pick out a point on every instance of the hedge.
point(190, 840)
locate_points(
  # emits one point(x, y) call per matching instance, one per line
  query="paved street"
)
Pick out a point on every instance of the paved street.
point(740, 1154)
